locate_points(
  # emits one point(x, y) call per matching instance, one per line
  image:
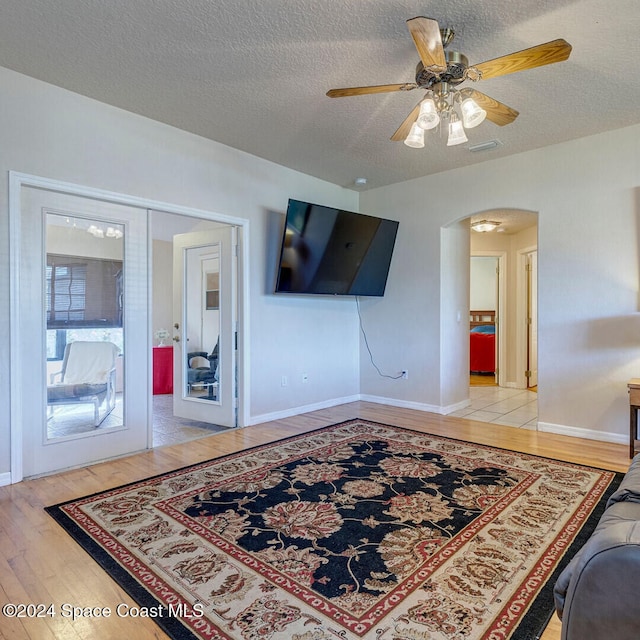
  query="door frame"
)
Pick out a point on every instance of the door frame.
point(17, 181)
point(501, 336)
point(521, 316)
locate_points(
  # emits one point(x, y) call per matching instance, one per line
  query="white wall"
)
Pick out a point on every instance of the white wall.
point(587, 196)
point(49, 132)
point(413, 289)
point(162, 313)
point(454, 316)
point(483, 284)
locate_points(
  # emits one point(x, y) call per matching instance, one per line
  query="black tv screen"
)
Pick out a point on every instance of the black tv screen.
point(334, 252)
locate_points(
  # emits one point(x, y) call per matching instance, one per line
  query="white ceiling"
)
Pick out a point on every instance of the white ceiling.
point(253, 74)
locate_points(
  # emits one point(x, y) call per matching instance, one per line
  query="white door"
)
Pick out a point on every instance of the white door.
point(205, 311)
point(532, 320)
point(83, 285)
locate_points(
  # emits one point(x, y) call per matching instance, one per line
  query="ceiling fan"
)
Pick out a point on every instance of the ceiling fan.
point(439, 73)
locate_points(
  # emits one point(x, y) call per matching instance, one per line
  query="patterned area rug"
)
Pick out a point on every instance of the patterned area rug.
point(355, 531)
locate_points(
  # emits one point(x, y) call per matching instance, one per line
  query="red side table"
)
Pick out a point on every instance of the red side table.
point(162, 370)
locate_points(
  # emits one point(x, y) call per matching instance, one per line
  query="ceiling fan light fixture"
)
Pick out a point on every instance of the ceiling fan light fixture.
point(428, 117)
point(472, 114)
point(96, 232)
point(439, 72)
point(456, 132)
point(483, 226)
point(113, 233)
point(415, 138)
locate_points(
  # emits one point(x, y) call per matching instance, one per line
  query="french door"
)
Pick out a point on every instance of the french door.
point(204, 314)
point(82, 283)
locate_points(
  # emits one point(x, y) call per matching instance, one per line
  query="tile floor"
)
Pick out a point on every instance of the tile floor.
point(168, 429)
point(499, 405)
point(73, 419)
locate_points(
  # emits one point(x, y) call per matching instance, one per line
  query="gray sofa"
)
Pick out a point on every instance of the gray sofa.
point(596, 595)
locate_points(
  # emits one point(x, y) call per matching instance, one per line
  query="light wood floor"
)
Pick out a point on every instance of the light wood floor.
point(40, 563)
point(476, 380)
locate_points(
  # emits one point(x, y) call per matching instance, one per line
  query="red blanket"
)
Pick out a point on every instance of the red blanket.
point(482, 352)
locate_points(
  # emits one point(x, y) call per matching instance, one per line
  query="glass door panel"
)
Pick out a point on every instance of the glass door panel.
point(202, 322)
point(84, 303)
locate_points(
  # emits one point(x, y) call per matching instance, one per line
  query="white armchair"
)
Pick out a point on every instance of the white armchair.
point(88, 376)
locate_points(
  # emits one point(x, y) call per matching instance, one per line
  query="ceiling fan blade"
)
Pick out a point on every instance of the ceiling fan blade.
point(403, 130)
point(548, 53)
point(361, 91)
point(497, 112)
point(426, 36)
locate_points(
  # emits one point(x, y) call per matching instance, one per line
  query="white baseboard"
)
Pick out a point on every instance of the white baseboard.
point(295, 411)
point(5, 479)
point(579, 432)
point(463, 404)
point(418, 406)
point(391, 402)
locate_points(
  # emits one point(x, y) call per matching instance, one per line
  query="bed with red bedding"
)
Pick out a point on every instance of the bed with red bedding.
point(482, 342)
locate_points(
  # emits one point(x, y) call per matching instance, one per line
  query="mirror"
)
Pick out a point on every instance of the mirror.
point(202, 323)
point(84, 339)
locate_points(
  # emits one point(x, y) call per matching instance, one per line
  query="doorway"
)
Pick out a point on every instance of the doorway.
point(194, 320)
point(512, 403)
point(55, 303)
point(487, 299)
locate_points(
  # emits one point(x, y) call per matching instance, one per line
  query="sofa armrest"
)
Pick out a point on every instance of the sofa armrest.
point(629, 489)
point(596, 595)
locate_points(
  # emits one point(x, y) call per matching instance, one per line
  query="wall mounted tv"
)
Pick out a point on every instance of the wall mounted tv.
point(334, 252)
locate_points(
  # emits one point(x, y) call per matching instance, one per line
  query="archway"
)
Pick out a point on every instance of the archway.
point(514, 236)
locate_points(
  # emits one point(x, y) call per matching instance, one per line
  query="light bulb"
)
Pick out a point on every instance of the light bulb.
point(472, 114)
point(456, 132)
point(428, 117)
point(415, 138)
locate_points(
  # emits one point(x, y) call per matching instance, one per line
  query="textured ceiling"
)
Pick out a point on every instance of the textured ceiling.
point(253, 74)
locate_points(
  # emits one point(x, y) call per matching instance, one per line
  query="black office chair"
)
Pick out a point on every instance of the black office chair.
point(203, 375)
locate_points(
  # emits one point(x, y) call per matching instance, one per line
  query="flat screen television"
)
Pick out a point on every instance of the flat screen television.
point(334, 252)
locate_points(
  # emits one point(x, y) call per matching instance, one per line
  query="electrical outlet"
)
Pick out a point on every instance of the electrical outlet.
point(284, 382)
point(405, 374)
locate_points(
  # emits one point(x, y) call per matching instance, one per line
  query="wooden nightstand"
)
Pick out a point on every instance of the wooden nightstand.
point(634, 405)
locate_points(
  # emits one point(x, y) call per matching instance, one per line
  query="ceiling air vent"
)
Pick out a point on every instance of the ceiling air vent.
point(485, 146)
